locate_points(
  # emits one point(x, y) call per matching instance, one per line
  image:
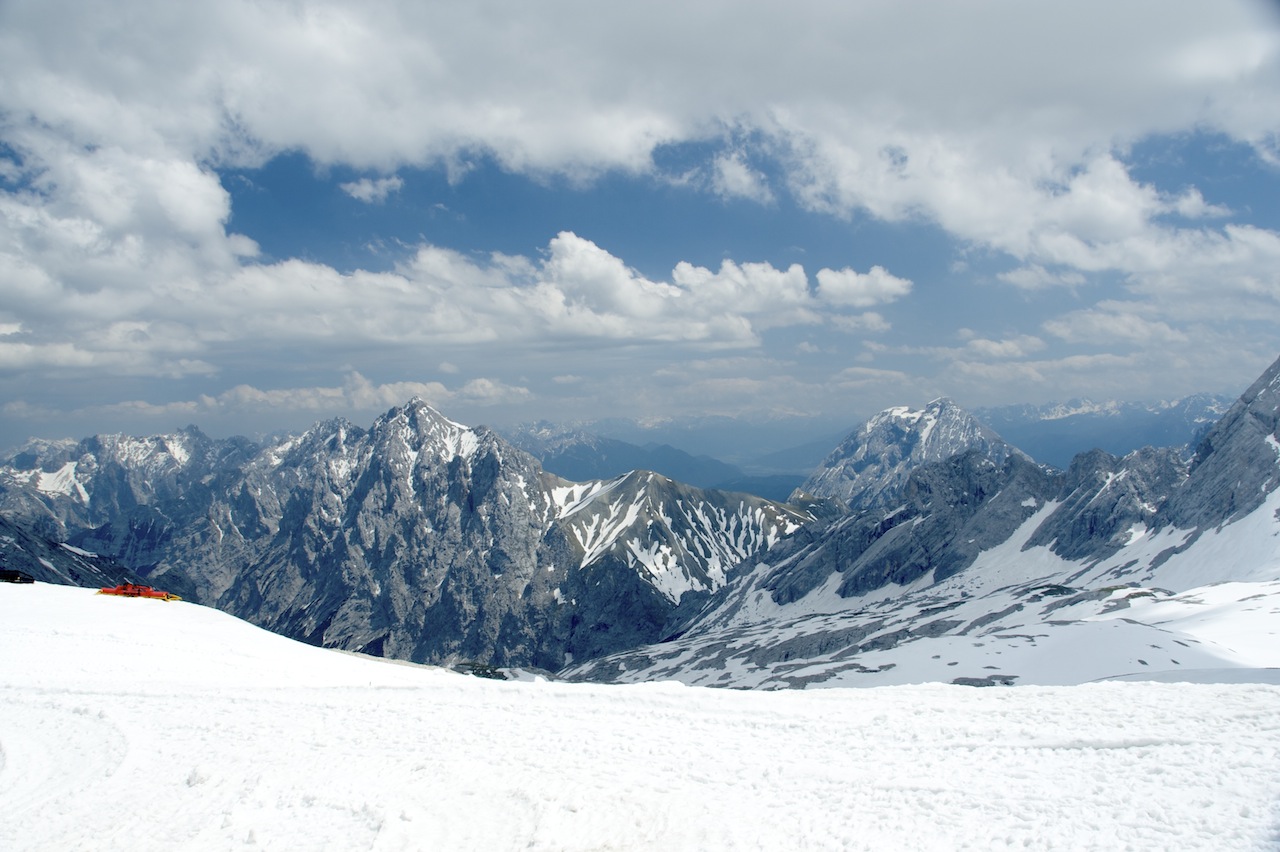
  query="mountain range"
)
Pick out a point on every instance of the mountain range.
point(985, 568)
point(925, 547)
point(417, 538)
point(1051, 434)
point(1055, 433)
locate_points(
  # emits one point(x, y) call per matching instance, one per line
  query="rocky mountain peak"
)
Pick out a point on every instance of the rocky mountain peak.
point(871, 466)
point(419, 428)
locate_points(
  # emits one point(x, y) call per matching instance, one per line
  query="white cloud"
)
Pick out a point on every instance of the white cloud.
point(372, 191)
point(356, 393)
point(861, 290)
point(869, 321)
point(1110, 324)
point(732, 177)
point(1035, 277)
point(172, 316)
point(547, 89)
point(859, 378)
point(116, 255)
point(1191, 205)
point(1018, 347)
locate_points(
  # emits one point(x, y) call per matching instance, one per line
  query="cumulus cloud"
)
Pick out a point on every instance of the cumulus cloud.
point(576, 292)
point(861, 290)
point(732, 177)
point(1191, 205)
point(545, 89)
point(372, 191)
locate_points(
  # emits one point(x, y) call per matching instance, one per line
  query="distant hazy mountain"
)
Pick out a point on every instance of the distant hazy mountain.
point(1055, 433)
point(579, 455)
point(741, 441)
point(994, 572)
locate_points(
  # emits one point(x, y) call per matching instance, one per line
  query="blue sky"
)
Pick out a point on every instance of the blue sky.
point(257, 215)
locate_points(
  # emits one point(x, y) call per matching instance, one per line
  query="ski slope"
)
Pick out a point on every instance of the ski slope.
point(134, 724)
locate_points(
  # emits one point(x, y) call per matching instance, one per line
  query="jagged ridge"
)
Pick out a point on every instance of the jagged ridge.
point(417, 538)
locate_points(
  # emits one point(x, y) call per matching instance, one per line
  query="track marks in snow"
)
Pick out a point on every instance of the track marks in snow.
point(292, 747)
point(54, 755)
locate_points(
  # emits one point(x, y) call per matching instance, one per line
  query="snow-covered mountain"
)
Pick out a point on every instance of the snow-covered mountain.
point(953, 556)
point(1056, 432)
point(869, 469)
point(418, 538)
point(987, 572)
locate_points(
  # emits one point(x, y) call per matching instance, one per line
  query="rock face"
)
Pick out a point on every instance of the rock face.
point(418, 538)
point(1235, 467)
point(24, 549)
point(869, 469)
point(1105, 500)
point(954, 510)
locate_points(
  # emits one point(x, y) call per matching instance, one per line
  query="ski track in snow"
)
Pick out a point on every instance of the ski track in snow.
point(132, 724)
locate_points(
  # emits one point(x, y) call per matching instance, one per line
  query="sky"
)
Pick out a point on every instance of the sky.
point(254, 215)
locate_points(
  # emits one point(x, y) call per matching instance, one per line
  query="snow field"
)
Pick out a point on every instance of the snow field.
point(130, 724)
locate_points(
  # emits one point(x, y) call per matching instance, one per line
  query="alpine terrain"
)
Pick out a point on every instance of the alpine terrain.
point(417, 538)
point(926, 547)
point(984, 568)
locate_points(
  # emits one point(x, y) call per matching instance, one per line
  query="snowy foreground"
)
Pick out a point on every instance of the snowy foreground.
point(135, 724)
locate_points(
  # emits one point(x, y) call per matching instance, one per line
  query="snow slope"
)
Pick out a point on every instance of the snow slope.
point(134, 724)
point(1017, 615)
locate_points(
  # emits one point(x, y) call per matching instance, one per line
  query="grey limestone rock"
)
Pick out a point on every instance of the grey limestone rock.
point(872, 465)
point(417, 538)
point(1237, 465)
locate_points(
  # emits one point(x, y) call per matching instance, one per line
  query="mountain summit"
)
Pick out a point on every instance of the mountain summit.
point(869, 469)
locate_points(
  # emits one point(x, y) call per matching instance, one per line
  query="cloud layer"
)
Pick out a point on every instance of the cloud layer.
point(1004, 125)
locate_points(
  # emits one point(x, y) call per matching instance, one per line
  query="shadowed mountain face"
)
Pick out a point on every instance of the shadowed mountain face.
point(25, 549)
point(417, 538)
